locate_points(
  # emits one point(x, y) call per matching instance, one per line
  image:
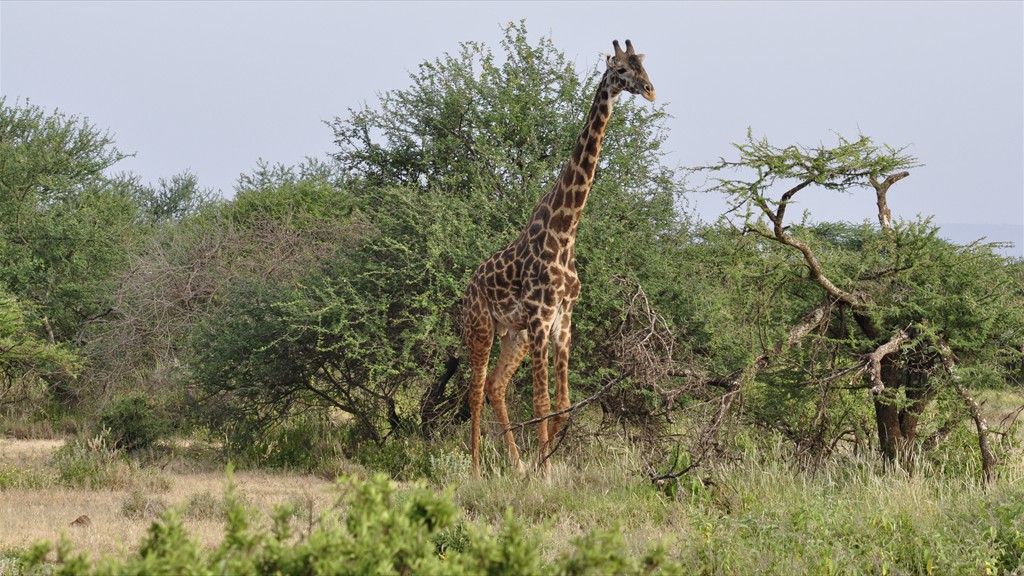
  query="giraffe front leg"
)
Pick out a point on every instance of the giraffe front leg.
point(476, 402)
point(541, 396)
point(563, 336)
point(479, 337)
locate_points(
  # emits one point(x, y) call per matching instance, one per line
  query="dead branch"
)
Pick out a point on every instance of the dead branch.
point(809, 322)
point(568, 410)
point(988, 459)
point(1010, 419)
point(874, 359)
point(645, 343)
point(571, 410)
point(735, 382)
point(881, 189)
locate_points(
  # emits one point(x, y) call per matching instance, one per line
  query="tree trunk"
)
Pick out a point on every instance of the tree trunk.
point(897, 427)
point(887, 413)
point(919, 395)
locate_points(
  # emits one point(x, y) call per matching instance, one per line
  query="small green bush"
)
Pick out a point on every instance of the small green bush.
point(304, 444)
point(401, 459)
point(203, 506)
point(139, 506)
point(449, 466)
point(453, 539)
point(135, 422)
point(379, 532)
point(90, 463)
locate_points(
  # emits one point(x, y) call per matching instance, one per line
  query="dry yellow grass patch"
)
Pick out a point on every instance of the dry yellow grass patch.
point(30, 515)
point(27, 452)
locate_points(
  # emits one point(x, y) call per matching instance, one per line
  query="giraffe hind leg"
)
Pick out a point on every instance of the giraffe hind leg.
point(479, 339)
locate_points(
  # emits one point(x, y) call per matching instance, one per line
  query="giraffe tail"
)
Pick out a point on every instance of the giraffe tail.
point(436, 402)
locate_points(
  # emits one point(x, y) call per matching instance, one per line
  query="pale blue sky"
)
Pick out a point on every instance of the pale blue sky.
point(213, 86)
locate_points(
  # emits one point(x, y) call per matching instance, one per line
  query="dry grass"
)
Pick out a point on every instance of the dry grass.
point(30, 515)
point(27, 452)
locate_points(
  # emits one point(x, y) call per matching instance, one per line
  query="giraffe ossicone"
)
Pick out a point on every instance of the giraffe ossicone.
point(524, 294)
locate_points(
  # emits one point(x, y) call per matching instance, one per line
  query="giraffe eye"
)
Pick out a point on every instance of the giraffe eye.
point(621, 70)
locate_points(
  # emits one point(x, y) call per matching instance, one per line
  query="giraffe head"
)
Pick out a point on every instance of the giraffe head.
point(629, 71)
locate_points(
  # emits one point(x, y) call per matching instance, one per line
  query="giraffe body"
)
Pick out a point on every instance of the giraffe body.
point(524, 294)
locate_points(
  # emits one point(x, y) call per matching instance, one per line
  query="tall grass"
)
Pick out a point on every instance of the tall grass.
point(760, 514)
point(755, 512)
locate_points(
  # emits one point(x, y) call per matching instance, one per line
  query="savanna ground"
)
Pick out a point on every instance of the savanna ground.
point(134, 496)
point(754, 512)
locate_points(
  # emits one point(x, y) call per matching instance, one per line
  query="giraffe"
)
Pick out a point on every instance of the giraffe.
point(524, 294)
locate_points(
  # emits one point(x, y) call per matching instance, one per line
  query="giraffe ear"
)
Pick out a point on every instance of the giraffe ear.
point(608, 60)
point(640, 57)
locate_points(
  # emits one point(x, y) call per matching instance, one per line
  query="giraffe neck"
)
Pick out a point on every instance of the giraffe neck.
point(559, 210)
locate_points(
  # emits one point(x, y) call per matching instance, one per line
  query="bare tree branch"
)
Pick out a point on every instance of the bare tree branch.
point(988, 459)
point(875, 359)
point(735, 382)
point(881, 189)
point(570, 409)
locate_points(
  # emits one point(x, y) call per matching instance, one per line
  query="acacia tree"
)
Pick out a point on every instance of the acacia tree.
point(26, 358)
point(910, 313)
point(66, 226)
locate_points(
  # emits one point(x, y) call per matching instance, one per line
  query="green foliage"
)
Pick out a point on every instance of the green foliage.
point(141, 506)
point(300, 443)
point(67, 229)
point(294, 330)
point(380, 531)
point(600, 551)
point(402, 459)
point(134, 422)
point(25, 358)
point(64, 225)
point(204, 506)
point(90, 463)
point(759, 515)
point(175, 199)
point(15, 476)
point(762, 166)
point(474, 128)
point(166, 549)
point(961, 304)
point(968, 295)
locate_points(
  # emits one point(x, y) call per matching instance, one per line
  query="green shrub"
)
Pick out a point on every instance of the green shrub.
point(139, 506)
point(401, 459)
point(453, 539)
point(306, 444)
point(135, 422)
point(90, 463)
point(449, 466)
point(379, 532)
point(203, 506)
